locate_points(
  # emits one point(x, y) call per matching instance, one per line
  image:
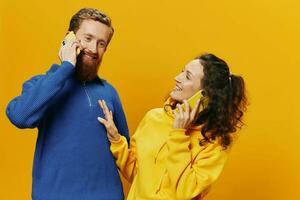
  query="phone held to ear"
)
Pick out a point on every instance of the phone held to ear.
point(70, 37)
point(192, 101)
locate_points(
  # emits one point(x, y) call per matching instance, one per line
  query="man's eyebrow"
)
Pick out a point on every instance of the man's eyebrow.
point(88, 34)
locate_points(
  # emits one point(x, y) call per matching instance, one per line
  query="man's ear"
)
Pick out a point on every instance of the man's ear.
point(67, 33)
point(106, 47)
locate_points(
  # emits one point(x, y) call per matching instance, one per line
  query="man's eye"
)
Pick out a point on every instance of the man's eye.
point(102, 44)
point(187, 77)
point(87, 39)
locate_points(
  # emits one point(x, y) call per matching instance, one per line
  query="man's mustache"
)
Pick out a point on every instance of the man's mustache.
point(89, 53)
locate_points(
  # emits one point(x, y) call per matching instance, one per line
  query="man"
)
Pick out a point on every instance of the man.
point(72, 158)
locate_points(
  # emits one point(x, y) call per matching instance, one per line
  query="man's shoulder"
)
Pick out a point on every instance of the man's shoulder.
point(52, 69)
point(107, 85)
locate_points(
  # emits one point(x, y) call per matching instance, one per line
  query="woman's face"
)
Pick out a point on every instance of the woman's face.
point(188, 82)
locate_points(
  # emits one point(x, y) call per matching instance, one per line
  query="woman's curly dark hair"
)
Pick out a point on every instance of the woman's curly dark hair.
point(227, 100)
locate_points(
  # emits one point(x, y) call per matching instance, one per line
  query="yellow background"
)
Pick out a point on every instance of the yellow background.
point(153, 41)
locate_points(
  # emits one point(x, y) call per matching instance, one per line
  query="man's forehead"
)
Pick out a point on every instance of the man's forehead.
point(94, 29)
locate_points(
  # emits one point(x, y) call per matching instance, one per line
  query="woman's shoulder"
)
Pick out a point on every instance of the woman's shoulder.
point(155, 113)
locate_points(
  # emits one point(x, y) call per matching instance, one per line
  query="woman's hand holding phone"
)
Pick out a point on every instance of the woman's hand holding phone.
point(184, 118)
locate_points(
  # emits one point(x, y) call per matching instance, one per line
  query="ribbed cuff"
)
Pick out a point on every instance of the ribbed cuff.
point(65, 70)
point(118, 141)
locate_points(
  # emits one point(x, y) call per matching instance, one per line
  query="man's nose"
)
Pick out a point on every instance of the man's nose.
point(93, 47)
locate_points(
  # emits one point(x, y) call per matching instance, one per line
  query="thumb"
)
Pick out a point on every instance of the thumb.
point(102, 121)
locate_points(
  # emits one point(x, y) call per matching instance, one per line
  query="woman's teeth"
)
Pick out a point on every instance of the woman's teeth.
point(177, 88)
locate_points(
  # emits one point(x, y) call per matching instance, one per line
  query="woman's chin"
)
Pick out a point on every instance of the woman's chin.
point(174, 96)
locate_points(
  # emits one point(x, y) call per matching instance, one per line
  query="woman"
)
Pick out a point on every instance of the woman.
point(178, 153)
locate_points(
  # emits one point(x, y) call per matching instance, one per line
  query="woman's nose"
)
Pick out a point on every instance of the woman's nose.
point(177, 78)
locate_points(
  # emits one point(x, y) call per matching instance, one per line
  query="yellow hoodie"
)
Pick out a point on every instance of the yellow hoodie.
point(167, 163)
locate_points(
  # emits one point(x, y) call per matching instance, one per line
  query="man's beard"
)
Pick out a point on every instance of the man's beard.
point(87, 66)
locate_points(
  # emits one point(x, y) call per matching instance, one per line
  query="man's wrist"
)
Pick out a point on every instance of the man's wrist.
point(73, 64)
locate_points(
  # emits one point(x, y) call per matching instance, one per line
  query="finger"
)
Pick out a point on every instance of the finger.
point(102, 121)
point(72, 44)
point(78, 42)
point(180, 110)
point(107, 117)
point(105, 107)
point(105, 110)
point(175, 112)
point(77, 47)
point(195, 110)
point(111, 114)
point(187, 108)
point(100, 104)
point(59, 55)
point(175, 116)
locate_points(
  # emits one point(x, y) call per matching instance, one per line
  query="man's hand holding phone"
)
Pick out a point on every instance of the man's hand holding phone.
point(70, 48)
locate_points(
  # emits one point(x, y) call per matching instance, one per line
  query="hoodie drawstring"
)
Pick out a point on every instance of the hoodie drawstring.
point(162, 146)
point(160, 181)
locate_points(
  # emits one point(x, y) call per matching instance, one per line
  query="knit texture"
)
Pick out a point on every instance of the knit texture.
point(72, 157)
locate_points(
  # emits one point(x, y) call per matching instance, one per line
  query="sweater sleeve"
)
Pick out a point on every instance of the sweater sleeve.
point(26, 110)
point(191, 176)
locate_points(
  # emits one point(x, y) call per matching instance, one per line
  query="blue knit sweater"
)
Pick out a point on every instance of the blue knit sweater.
point(72, 158)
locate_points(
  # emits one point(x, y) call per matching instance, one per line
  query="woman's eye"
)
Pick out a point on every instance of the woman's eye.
point(187, 77)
